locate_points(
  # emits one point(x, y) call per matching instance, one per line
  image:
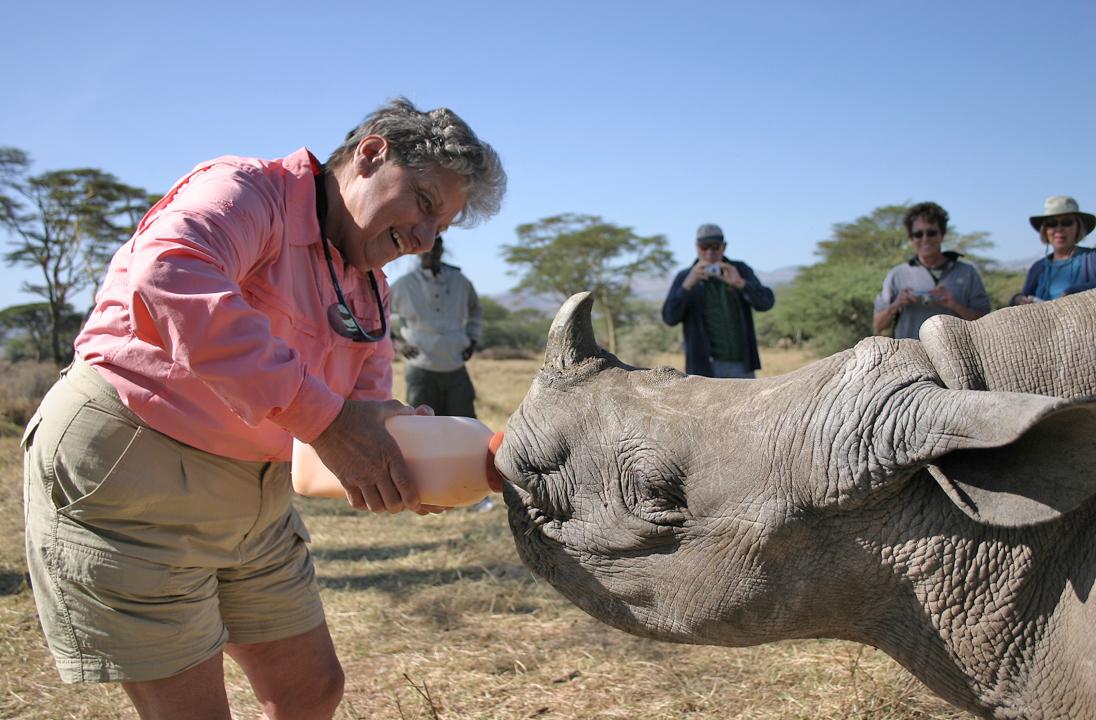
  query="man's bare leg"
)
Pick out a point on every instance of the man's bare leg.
point(298, 677)
point(196, 694)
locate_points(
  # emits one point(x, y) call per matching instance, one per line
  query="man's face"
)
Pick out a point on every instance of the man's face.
point(710, 250)
point(926, 238)
point(395, 210)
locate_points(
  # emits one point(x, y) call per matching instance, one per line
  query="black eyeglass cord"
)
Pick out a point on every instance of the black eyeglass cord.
point(321, 216)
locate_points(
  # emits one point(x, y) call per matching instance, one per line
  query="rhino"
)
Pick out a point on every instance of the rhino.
point(932, 498)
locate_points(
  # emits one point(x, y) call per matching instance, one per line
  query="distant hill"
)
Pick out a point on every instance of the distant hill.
point(1014, 265)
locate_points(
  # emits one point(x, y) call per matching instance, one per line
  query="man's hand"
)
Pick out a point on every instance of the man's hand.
point(366, 459)
point(885, 317)
point(404, 348)
point(730, 275)
point(943, 296)
point(698, 273)
point(468, 351)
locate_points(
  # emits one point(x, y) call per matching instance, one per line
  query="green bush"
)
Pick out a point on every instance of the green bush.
point(643, 335)
point(1002, 285)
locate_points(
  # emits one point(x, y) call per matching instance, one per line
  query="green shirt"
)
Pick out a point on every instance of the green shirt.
point(723, 320)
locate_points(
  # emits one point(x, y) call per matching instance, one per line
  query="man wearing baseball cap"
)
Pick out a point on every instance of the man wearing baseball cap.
point(714, 299)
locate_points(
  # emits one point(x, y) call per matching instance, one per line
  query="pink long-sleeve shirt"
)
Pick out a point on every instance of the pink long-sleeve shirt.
point(212, 322)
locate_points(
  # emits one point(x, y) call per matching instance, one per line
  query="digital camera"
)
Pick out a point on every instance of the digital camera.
point(713, 269)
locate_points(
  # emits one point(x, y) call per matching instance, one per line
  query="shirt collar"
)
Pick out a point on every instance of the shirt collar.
point(300, 194)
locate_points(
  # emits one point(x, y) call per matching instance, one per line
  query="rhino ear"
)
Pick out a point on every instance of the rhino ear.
point(1018, 459)
point(1042, 347)
point(571, 337)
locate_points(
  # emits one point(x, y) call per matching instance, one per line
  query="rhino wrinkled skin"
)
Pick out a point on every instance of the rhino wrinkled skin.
point(932, 499)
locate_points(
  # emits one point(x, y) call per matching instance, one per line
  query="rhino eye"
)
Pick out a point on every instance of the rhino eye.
point(652, 490)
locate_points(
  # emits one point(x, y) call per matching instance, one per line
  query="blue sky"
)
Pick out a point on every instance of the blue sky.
point(774, 120)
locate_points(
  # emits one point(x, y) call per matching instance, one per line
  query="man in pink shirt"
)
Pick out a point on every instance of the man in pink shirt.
point(247, 310)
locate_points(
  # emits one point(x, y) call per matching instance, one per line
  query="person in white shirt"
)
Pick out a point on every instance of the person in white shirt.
point(439, 318)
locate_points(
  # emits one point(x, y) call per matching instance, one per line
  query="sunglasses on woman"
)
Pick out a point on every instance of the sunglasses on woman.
point(918, 234)
point(1066, 222)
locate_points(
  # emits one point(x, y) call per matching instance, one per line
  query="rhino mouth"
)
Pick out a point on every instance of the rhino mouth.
point(527, 518)
point(537, 536)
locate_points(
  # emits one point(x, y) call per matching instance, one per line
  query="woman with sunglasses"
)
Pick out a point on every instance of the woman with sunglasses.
point(248, 309)
point(1066, 268)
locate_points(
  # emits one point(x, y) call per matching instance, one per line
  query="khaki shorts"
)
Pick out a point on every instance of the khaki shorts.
point(146, 555)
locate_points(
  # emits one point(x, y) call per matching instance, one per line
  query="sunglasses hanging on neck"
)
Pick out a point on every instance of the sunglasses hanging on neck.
point(339, 316)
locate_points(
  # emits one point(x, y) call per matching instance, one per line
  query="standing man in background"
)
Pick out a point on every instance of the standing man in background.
point(714, 300)
point(439, 318)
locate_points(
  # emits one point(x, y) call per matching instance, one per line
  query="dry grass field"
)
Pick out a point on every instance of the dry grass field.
point(436, 618)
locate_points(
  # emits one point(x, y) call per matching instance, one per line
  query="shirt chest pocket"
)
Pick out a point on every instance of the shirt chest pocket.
point(294, 325)
point(335, 359)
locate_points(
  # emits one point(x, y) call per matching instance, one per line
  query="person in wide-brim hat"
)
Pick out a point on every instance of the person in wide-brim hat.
point(1067, 268)
point(1058, 205)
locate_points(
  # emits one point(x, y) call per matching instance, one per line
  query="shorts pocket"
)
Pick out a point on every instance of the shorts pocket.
point(28, 432)
point(89, 462)
point(28, 474)
point(110, 573)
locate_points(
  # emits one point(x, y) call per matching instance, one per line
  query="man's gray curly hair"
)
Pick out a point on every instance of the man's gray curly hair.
point(435, 138)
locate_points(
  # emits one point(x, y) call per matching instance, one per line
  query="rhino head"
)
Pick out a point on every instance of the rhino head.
point(859, 497)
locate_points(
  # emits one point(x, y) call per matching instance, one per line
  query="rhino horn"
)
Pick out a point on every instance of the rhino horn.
point(571, 337)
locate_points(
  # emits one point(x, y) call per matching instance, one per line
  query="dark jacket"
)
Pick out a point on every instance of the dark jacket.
point(1086, 281)
point(687, 307)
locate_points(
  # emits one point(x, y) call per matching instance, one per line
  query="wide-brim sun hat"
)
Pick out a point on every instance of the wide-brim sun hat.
point(1063, 205)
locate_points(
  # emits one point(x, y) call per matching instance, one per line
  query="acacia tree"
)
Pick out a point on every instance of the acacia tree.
point(66, 224)
point(569, 253)
point(25, 330)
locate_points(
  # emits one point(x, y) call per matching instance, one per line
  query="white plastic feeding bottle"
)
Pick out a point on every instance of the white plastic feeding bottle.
point(451, 460)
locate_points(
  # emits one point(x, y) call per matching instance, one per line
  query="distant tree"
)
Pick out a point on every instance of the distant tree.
point(569, 253)
point(66, 224)
point(880, 238)
point(27, 331)
point(522, 331)
point(643, 335)
point(831, 303)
